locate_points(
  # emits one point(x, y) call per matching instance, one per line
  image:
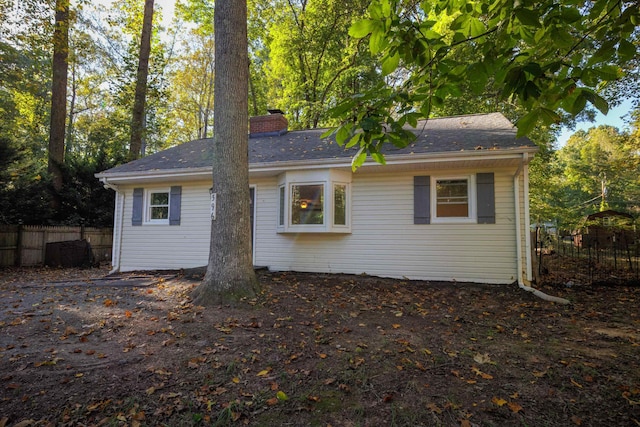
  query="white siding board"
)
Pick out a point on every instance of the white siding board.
point(385, 242)
point(169, 247)
point(383, 239)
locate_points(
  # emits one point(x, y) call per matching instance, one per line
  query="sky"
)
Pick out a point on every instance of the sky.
point(617, 117)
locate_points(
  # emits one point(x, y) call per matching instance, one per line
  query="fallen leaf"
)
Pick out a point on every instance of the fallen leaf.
point(264, 372)
point(482, 358)
point(434, 408)
point(498, 401)
point(281, 395)
point(515, 408)
point(272, 401)
point(482, 374)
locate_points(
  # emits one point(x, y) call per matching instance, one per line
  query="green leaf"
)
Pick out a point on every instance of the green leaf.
point(329, 132)
point(362, 28)
point(596, 100)
point(626, 50)
point(527, 123)
point(359, 159)
point(355, 140)
point(475, 27)
point(378, 40)
point(390, 63)
point(570, 15)
point(342, 135)
point(528, 17)
point(379, 158)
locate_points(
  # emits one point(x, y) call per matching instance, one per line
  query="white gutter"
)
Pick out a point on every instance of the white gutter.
point(516, 192)
point(118, 221)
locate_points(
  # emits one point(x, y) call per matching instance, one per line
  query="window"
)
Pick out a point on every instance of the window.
point(315, 201)
point(461, 199)
point(307, 204)
point(452, 198)
point(158, 208)
point(340, 204)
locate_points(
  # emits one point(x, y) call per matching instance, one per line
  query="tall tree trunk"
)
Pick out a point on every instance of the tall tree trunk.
point(72, 106)
point(137, 121)
point(59, 97)
point(230, 275)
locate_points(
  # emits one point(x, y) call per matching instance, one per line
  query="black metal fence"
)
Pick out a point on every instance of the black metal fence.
point(604, 257)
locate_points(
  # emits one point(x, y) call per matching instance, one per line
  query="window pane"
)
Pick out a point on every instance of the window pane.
point(159, 212)
point(159, 199)
point(452, 199)
point(340, 205)
point(307, 204)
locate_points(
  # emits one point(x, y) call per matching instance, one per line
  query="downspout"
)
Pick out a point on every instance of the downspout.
point(516, 193)
point(117, 226)
point(527, 220)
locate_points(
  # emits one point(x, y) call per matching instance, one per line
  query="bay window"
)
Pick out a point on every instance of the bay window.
point(314, 201)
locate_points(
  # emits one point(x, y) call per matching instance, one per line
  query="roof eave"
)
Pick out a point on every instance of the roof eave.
point(186, 174)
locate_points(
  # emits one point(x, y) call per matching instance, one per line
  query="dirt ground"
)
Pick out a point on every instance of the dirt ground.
point(79, 348)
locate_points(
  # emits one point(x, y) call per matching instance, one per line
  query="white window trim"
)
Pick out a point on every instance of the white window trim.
point(472, 197)
point(347, 201)
point(328, 178)
point(147, 206)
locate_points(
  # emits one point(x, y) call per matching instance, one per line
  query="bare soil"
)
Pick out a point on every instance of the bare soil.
point(79, 348)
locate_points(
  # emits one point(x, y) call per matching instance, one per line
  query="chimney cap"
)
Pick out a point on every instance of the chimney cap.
point(275, 111)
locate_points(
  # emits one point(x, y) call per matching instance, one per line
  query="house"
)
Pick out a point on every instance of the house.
point(451, 206)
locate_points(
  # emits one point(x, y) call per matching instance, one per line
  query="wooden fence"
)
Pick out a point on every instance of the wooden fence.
point(25, 245)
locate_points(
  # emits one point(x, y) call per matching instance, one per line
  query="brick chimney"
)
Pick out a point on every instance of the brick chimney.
point(273, 124)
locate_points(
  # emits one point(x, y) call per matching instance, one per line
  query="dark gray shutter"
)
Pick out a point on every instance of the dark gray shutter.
point(421, 200)
point(175, 200)
point(486, 198)
point(136, 215)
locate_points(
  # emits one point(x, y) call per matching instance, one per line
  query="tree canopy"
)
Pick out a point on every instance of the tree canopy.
point(550, 58)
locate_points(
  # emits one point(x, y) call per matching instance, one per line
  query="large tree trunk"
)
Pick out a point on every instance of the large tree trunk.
point(230, 276)
point(59, 97)
point(137, 121)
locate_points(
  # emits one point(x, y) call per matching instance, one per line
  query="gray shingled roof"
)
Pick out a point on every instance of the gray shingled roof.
point(441, 135)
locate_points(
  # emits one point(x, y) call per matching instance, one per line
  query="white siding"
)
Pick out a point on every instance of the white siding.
point(384, 240)
point(169, 247)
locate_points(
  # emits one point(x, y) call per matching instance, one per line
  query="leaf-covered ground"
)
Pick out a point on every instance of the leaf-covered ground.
point(313, 350)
